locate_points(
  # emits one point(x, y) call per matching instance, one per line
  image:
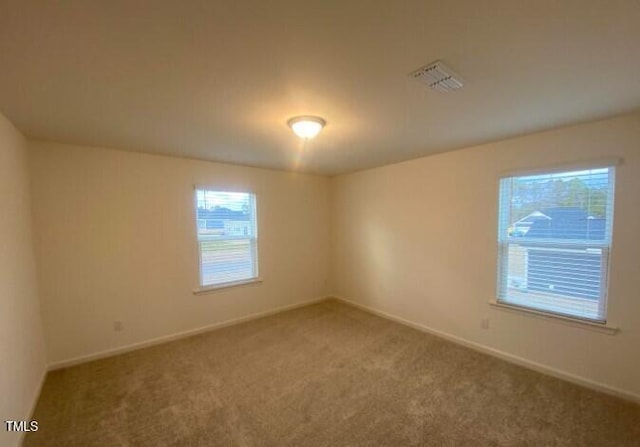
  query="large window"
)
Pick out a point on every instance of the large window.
point(227, 237)
point(554, 242)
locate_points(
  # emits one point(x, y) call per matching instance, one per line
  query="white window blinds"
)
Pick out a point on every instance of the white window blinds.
point(554, 241)
point(227, 237)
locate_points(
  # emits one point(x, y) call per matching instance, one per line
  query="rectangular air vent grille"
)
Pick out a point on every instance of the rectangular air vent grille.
point(438, 76)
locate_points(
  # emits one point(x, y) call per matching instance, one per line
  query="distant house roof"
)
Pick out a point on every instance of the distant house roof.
point(568, 223)
point(530, 218)
point(221, 213)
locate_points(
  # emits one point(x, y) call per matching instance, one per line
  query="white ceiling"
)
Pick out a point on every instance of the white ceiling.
point(218, 80)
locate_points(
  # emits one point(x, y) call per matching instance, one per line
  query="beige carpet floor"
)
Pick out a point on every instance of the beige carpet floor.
point(323, 375)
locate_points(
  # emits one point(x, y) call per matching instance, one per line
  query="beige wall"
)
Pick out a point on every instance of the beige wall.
point(116, 241)
point(22, 356)
point(418, 240)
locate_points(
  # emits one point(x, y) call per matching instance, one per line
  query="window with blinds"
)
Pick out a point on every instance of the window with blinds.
point(554, 241)
point(227, 237)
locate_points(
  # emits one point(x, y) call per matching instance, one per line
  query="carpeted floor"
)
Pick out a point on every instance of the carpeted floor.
point(323, 375)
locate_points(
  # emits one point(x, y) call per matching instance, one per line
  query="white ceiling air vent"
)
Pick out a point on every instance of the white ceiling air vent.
point(438, 76)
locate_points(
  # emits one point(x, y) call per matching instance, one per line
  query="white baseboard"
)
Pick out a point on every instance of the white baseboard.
point(171, 337)
point(521, 361)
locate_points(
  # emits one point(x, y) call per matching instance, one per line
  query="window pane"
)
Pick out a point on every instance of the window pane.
point(571, 273)
point(554, 235)
point(226, 261)
point(224, 214)
point(226, 224)
point(563, 206)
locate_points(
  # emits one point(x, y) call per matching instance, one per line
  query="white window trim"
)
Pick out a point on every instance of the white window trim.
point(610, 162)
point(601, 326)
point(203, 290)
point(226, 285)
point(570, 321)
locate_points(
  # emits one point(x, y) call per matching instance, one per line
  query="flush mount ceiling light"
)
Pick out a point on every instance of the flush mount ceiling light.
point(438, 76)
point(306, 127)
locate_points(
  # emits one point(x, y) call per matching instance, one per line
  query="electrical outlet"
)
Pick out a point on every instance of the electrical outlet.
point(484, 323)
point(117, 326)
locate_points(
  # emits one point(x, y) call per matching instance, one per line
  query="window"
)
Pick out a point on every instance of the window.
point(554, 241)
point(227, 237)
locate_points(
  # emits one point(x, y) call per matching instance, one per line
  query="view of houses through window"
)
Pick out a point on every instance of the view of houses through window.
point(227, 236)
point(555, 238)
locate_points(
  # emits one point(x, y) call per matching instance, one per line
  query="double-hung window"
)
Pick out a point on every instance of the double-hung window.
point(554, 241)
point(227, 237)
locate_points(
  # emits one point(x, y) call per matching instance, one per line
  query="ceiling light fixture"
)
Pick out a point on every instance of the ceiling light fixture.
point(306, 127)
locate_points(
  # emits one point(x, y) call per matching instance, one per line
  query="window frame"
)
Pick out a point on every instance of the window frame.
point(505, 241)
point(253, 241)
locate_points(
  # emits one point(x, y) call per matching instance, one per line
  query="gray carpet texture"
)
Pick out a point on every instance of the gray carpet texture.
point(323, 375)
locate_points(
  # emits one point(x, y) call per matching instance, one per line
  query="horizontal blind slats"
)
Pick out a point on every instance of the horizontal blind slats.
point(227, 236)
point(554, 235)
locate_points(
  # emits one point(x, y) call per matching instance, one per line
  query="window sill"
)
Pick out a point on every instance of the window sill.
point(227, 285)
point(592, 326)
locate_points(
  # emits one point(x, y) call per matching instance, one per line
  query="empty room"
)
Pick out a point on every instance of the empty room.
point(341, 223)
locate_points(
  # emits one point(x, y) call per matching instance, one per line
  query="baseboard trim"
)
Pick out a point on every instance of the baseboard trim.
point(176, 336)
point(521, 361)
